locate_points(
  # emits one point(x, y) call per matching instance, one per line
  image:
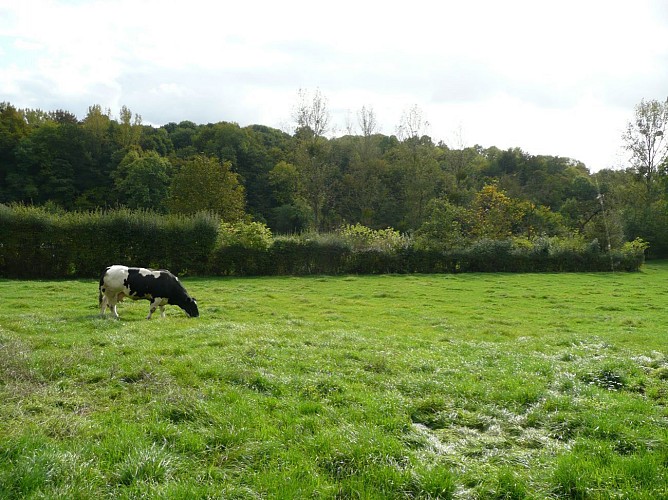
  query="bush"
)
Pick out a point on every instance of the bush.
point(310, 254)
point(362, 238)
point(255, 235)
point(37, 244)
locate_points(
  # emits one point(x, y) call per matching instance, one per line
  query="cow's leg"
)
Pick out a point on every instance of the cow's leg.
point(114, 311)
point(110, 302)
point(103, 305)
point(114, 302)
point(154, 305)
point(162, 310)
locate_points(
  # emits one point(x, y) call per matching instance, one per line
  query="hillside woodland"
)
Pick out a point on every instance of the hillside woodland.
point(441, 194)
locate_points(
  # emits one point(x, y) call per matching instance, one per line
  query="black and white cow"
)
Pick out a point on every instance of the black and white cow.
point(158, 287)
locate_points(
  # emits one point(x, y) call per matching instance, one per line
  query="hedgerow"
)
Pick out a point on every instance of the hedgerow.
point(37, 243)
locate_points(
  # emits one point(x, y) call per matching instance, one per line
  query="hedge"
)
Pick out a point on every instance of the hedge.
point(37, 244)
point(295, 257)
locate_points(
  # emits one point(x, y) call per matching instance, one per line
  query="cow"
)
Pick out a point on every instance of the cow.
point(158, 287)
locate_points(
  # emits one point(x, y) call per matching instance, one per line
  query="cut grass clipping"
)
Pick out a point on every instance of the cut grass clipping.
point(436, 386)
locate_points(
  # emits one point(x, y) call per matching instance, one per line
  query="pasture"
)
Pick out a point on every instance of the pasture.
point(416, 386)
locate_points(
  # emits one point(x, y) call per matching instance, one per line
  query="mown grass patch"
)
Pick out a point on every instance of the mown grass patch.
point(435, 386)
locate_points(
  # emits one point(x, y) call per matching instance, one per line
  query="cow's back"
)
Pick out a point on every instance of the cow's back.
point(143, 282)
point(114, 279)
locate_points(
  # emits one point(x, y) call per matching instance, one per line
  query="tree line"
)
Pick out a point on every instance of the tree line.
point(443, 195)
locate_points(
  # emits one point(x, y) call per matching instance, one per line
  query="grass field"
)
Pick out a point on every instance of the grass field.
point(421, 386)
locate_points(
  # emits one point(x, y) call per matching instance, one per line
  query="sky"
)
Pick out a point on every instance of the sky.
point(551, 77)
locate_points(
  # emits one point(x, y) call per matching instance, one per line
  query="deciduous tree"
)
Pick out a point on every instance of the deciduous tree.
point(142, 180)
point(318, 177)
point(205, 184)
point(645, 140)
point(129, 131)
point(311, 113)
point(416, 159)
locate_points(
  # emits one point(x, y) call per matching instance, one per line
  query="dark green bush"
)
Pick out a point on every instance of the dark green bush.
point(38, 244)
point(309, 255)
point(238, 260)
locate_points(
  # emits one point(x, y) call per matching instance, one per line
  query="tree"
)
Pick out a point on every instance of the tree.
point(206, 184)
point(495, 215)
point(646, 142)
point(63, 117)
point(96, 130)
point(362, 187)
point(284, 180)
point(415, 156)
point(51, 165)
point(129, 128)
point(459, 166)
point(182, 136)
point(311, 113)
point(363, 192)
point(318, 177)
point(412, 124)
point(445, 227)
point(458, 161)
point(13, 128)
point(366, 118)
point(142, 180)
point(581, 203)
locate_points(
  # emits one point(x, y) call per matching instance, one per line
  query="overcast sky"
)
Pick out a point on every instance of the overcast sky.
point(551, 77)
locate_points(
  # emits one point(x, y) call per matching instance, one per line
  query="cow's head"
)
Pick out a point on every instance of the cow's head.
point(190, 307)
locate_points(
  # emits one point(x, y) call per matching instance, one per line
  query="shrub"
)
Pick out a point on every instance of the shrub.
point(254, 235)
point(37, 244)
point(445, 228)
point(635, 248)
point(362, 238)
point(310, 254)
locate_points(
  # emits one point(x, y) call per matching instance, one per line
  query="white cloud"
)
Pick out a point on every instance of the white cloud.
point(550, 77)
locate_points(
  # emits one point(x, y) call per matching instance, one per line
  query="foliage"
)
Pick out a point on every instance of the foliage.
point(645, 139)
point(364, 238)
point(142, 181)
point(494, 214)
point(284, 179)
point(309, 254)
point(242, 248)
point(37, 244)
point(205, 184)
point(446, 227)
point(311, 181)
point(635, 247)
point(291, 218)
point(249, 234)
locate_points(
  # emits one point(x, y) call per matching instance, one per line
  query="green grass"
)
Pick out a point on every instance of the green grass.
point(437, 386)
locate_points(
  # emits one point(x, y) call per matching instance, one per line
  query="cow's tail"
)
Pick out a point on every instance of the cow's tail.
point(99, 300)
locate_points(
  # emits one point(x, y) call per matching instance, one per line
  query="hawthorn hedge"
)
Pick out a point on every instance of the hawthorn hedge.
point(294, 257)
point(35, 243)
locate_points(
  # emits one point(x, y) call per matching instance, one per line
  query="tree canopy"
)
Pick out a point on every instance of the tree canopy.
point(305, 180)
